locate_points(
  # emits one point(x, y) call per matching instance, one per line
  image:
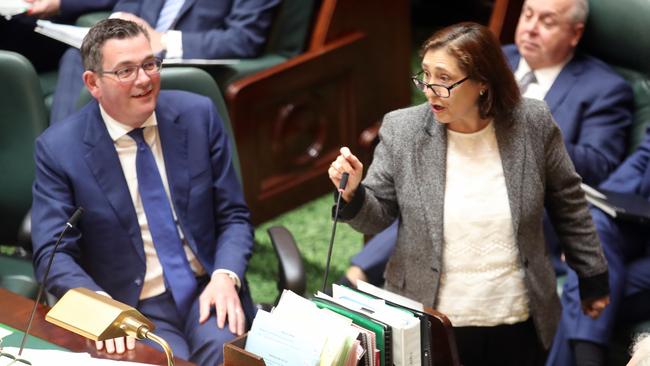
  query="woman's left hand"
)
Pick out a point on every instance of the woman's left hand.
point(594, 307)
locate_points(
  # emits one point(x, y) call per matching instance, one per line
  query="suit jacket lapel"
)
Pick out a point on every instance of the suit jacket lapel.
point(173, 138)
point(562, 85)
point(431, 156)
point(105, 165)
point(512, 148)
point(151, 11)
point(184, 9)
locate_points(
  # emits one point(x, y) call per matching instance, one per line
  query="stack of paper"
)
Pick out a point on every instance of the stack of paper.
point(298, 333)
point(406, 340)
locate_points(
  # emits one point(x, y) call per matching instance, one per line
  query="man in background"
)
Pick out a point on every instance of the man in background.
point(203, 29)
point(165, 227)
point(583, 341)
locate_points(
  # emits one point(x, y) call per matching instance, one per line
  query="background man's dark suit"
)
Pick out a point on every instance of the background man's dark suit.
point(626, 248)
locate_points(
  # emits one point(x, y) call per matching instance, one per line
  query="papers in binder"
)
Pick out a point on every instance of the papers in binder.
point(68, 34)
point(389, 296)
point(9, 8)
point(405, 326)
point(297, 332)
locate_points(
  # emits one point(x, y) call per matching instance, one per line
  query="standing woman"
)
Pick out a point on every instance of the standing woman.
point(468, 173)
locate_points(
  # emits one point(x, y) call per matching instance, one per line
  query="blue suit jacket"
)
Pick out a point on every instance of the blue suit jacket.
point(214, 29)
point(593, 107)
point(74, 8)
point(77, 165)
point(633, 176)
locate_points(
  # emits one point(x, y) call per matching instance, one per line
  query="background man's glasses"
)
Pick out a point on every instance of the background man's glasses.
point(130, 73)
point(438, 89)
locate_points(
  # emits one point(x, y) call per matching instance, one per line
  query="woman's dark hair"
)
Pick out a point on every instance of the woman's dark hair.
point(479, 55)
point(91, 47)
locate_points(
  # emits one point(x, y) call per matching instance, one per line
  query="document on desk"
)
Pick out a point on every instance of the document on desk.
point(46, 357)
point(4, 332)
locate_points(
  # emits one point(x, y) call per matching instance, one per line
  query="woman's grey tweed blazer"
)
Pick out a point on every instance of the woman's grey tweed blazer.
point(407, 179)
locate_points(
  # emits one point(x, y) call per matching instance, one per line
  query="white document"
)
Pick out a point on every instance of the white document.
point(297, 332)
point(68, 34)
point(4, 332)
point(46, 357)
point(9, 8)
point(282, 344)
point(389, 296)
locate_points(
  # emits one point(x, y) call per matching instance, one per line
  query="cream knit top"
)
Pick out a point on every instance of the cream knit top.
point(482, 281)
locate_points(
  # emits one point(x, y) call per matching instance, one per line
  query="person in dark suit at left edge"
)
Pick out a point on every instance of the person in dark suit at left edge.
point(165, 227)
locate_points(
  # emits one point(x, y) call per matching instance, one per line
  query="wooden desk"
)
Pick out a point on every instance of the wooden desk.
point(15, 310)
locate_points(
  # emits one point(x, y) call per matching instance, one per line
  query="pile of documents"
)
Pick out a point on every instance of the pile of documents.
point(298, 333)
point(368, 326)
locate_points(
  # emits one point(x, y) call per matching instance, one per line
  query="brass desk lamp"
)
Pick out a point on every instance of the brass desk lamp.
point(99, 317)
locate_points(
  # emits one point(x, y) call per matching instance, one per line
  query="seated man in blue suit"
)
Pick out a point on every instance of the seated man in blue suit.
point(204, 29)
point(165, 228)
point(626, 246)
point(589, 101)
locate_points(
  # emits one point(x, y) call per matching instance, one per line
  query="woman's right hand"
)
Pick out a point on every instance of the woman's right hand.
point(346, 162)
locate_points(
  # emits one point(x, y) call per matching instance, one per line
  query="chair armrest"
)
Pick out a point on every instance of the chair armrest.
point(291, 269)
point(312, 65)
point(25, 233)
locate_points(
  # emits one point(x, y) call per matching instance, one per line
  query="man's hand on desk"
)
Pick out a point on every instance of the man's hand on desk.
point(115, 344)
point(222, 292)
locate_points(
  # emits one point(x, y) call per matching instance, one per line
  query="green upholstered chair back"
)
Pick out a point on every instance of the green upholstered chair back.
point(22, 119)
point(291, 26)
point(287, 38)
point(618, 32)
point(196, 81)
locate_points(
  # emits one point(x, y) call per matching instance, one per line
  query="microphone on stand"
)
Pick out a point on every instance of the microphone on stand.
point(342, 184)
point(68, 225)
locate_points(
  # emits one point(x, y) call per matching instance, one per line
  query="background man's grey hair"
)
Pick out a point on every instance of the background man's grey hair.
point(579, 11)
